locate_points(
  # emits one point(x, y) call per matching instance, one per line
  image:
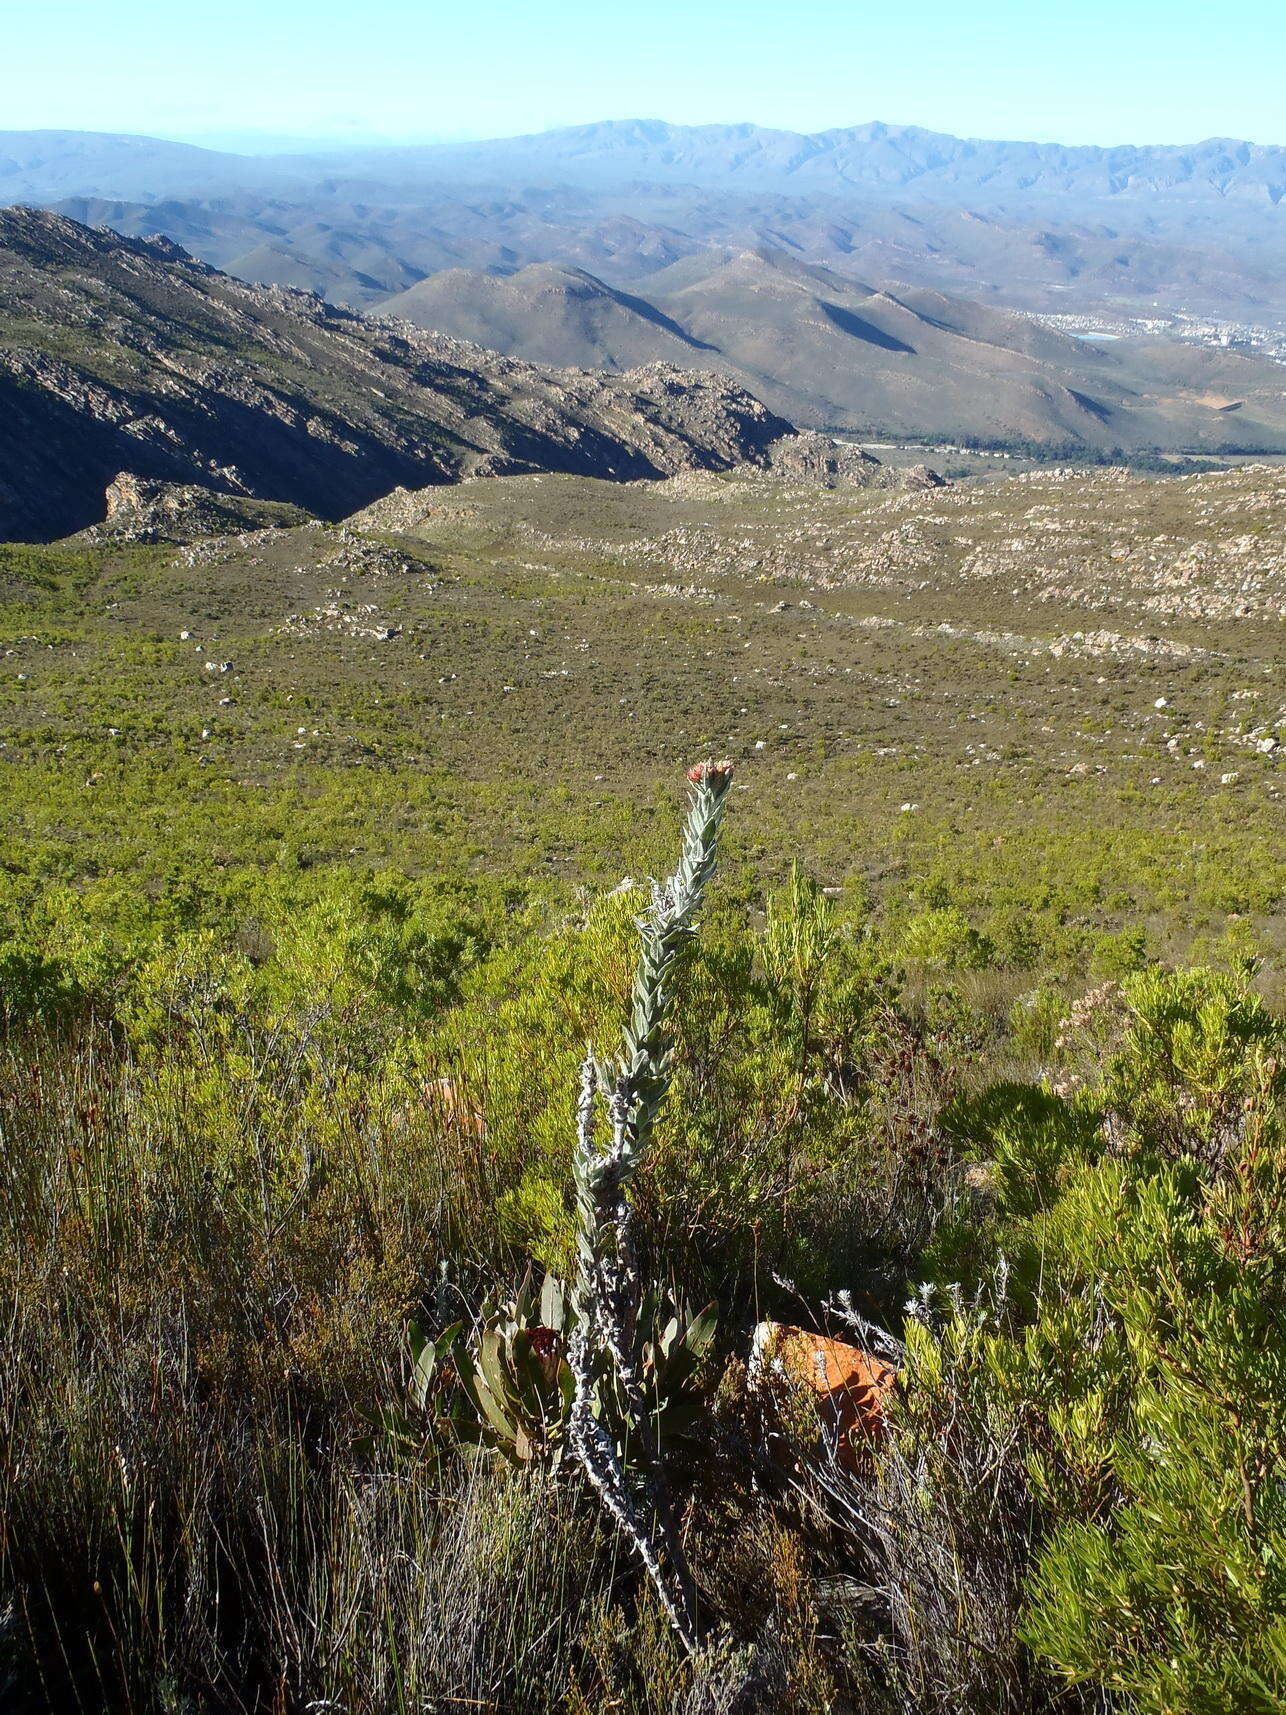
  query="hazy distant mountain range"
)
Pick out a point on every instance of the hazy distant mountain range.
point(1202, 227)
point(888, 160)
point(358, 245)
point(855, 278)
point(894, 162)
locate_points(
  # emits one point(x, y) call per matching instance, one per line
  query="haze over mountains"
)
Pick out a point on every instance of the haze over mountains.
point(860, 279)
point(899, 162)
point(357, 245)
point(1204, 227)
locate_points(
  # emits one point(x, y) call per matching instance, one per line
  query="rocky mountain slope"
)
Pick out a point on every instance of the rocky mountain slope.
point(829, 351)
point(121, 354)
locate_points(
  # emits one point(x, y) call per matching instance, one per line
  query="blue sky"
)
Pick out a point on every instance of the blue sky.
point(1134, 71)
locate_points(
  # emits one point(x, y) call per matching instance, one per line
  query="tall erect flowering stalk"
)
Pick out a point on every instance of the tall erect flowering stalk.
point(608, 1287)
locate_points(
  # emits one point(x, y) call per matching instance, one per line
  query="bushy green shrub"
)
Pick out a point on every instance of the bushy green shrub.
point(1141, 1358)
point(942, 935)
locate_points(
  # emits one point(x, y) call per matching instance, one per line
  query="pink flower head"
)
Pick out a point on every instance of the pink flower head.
point(703, 771)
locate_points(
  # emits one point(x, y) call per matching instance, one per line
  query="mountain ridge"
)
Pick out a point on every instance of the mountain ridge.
point(831, 352)
point(122, 354)
point(871, 157)
point(1181, 227)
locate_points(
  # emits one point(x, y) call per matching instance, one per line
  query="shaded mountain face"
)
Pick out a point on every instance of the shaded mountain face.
point(121, 354)
point(828, 351)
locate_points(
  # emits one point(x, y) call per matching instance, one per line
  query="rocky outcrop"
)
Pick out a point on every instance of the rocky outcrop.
point(813, 458)
point(810, 457)
point(140, 510)
point(124, 354)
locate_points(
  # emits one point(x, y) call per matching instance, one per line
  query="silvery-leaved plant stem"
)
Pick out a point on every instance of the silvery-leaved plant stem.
point(608, 1287)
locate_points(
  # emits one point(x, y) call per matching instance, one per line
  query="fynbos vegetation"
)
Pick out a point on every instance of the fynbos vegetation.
point(347, 1364)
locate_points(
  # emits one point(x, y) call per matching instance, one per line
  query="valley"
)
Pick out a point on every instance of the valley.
point(829, 352)
point(643, 903)
point(1007, 672)
point(124, 354)
point(613, 245)
point(426, 544)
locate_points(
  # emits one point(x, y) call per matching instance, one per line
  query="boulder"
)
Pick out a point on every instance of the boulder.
point(849, 1387)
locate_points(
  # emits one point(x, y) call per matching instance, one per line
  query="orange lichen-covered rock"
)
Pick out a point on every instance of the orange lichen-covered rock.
point(850, 1386)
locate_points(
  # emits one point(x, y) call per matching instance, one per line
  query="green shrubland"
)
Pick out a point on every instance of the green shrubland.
point(246, 1151)
point(976, 1062)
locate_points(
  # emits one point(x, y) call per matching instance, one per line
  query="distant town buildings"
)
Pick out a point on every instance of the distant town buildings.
point(1196, 330)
